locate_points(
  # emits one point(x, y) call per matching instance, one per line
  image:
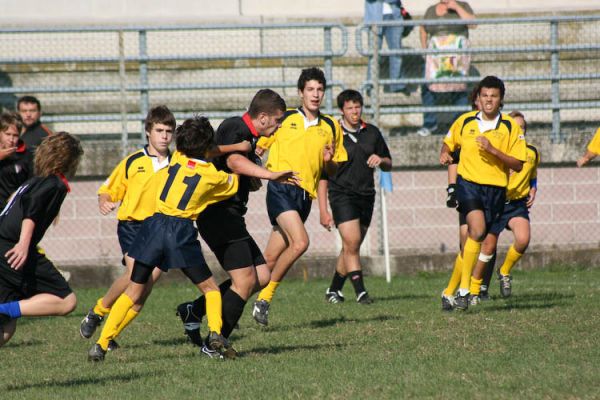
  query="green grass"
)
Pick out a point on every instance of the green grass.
point(542, 343)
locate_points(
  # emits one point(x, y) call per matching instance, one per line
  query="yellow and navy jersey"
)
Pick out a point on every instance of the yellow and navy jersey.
point(189, 185)
point(298, 145)
point(477, 165)
point(594, 145)
point(519, 183)
point(134, 182)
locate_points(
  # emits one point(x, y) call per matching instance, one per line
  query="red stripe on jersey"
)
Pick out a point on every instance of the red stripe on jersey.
point(248, 121)
point(191, 164)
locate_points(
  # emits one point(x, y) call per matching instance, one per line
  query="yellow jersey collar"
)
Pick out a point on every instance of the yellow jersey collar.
point(157, 165)
point(307, 123)
point(485, 125)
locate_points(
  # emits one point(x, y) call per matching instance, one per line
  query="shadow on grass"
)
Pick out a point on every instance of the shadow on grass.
point(326, 323)
point(28, 343)
point(283, 349)
point(77, 381)
point(402, 297)
point(544, 296)
point(178, 341)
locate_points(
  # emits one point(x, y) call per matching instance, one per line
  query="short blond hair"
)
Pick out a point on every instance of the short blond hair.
point(58, 154)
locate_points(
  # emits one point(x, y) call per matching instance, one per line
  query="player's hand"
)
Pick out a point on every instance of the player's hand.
point(259, 151)
point(446, 158)
point(106, 206)
point(326, 220)
point(285, 176)
point(374, 161)
point(451, 201)
point(582, 161)
point(327, 153)
point(484, 144)
point(451, 4)
point(17, 256)
point(5, 153)
point(531, 197)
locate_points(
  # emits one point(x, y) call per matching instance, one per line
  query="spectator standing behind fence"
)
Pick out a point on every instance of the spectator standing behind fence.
point(30, 110)
point(449, 37)
point(388, 10)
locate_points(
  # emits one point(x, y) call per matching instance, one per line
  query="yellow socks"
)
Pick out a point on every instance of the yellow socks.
point(130, 316)
point(100, 309)
point(511, 259)
point(470, 254)
point(116, 317)
point(214, 311)
point(475, 286)
point(455, 278)
point(268, 292)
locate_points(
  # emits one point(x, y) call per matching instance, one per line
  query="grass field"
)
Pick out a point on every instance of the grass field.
point(542, 343)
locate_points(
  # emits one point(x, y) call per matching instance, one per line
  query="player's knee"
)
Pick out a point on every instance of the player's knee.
point(351, 248)
point(68, 305)
point(300, 246)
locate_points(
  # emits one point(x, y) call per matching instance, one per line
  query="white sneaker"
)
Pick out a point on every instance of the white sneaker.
point(424, 132)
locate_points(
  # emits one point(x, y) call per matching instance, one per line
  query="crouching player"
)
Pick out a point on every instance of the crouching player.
point(520, 195)
point(168, 239)
point(30, 285)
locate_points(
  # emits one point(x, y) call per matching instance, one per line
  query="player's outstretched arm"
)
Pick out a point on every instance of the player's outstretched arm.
point(586, 158)
point(241, 147)
point(242, 166)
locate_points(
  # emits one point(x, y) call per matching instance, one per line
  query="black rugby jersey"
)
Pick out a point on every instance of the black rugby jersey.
point(38, 199)
point(354, 175)
point(14, 170)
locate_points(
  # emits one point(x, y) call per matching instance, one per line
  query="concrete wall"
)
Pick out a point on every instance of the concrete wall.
point(566, 215)
point(52, 12)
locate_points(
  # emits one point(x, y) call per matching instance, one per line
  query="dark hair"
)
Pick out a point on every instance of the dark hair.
point(349, 95)
point(492, 82)
point(29, 99)
point(195, 137)
point(159, 115)
point(311, 74)
point(473, 96)
point(266, 101)
point(517, 113)
point(58, 153)
point(10, 118)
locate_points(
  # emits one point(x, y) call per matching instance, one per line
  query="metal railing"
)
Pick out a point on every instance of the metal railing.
point(253, 42)
point(550, 51)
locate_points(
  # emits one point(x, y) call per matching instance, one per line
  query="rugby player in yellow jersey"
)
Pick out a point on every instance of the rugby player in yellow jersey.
point(490, 144)
point(168, 239)
point(592, 151)
point(520, 195)
point(132, 184)
point(308, 143)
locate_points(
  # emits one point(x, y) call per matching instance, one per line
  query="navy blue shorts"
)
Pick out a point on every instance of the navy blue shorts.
point(126, 232)
point(512, 209)
point(168, 242)
point(282, 197)
point(487, 198)
point(349, 206)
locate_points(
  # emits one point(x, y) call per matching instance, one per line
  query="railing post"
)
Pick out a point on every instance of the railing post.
point(144, 98)
point(123, 93)
point(554, 68)
point(374, 95)
point(328, 69)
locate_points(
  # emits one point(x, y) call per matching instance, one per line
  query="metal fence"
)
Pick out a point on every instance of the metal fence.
point(548, 63)
point(99, 83)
